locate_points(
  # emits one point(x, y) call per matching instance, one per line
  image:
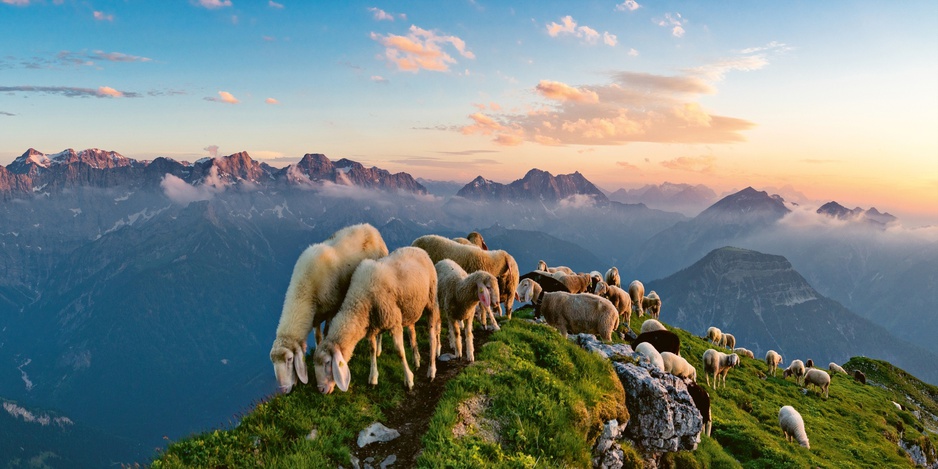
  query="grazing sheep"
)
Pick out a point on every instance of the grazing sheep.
point(773, 359)
point(819, 378)
point(652, 325)
point(542, 266)
point(473, 239)
point(459, 293)
point(796, 369)
point(578, 313)
point(318, 285)
point(619, 298)
point(793, 425)
point(859, 377)
point(651, 354)
point(744, 352)
point(385, 295)
point(718, 364)
point(575, 283)
point(728, 340)
point(714, 335)
point(835, 368)
point(702, 402)
point(678, 366)
point(652, 304)
point(498, 263)
point(663, 341)
point(637, 292)
point(612, 277)
point(809, 363)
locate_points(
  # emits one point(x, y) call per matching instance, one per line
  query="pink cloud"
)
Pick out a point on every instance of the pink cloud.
point(421, 49)
point(379, 79)
point(273, 4)
point(271, 101)
point(381, 15)
point(563, 92)
point(610, 39)
point(694, 164)
point(212, 4)
point(675, 21)
point(108, 91)
point(568, 27)
point(224, 97)
point(628, 5)
point(101, 16)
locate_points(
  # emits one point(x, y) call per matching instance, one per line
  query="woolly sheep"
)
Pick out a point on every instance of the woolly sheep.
point(793, 425)
point(809, 363)
point(663, 341)
point(575, 283)
point(702, 402)
point(728, 340)
point(546, 281)
point(541, 265)
point(773, 359)
point(578, 313)
point(498, 263)
point(648, 351)
point(836, 368)
point(652, 304)
point(637, 292)
point(619, 298)
point(459, 293)
point(317, 287)
point(612, 277)
point(678, 366)
point(796, 369)
point(714, 335)
point(385, 295)
point(718, 364)
point(528, 291)
point(744, 352)
point(819, 378)
point(652, 325)
point(473, 239)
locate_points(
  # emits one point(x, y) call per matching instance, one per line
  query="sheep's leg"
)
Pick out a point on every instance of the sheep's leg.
point(707, 375)
point(373, 374)
point(413, 346)
point(434, 332)
point(379, 344)
point(495, 326)
point(470, 348)
point(455, 338)
point(398, 335)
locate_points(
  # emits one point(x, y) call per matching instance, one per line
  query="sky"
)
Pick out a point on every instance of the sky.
point(834, 100)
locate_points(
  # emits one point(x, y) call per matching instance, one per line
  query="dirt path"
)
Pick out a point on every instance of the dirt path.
point(412, 417)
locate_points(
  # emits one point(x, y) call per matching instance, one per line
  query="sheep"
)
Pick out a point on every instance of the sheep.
point(728, 340)
point(528, 290)
point(835, 368)
point(612, 277)
point(809, 363)
point(637, 292)
point(859, 377)
point(576, 313)
point(498, 263)
point(459, 293)
point(773, 359)
point(648, 351)
point(473, 239)
point(388, 294)
point(793, 425)
point(744, 352)
point(796, 369)
point(678, 366)
point(714, 335)
point(575, 283)
point(718, 364)
point(819, 378)
point(652, 304)
point(319, 282)
point(546, 281)
point(702, 402)
point(619, 298)
point(652, 325)
point(542, 266)
point(663, 341)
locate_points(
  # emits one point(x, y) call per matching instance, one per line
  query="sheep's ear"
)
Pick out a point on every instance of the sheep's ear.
point(299, 363)
point(485, 296)
point(340, 371)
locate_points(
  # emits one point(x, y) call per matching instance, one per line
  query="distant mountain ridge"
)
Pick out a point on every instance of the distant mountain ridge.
point(685, 198)
point(835, 210)
point(535, 185)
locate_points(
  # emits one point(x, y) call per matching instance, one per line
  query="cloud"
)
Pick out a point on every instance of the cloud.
point(268, 38)
point(717, 70)
point(468, 152)
point(610, 39)
point(212, 150)
point(379, 79)
point(223, 97)
point(212, 4)
point(773, 46)
point(633, 53)
point(275, 5)
point(694, 164)
point(563, 92)
point(431, 162)
point(101, 16)
point(20, 3)
point(271, 101)
point(166, 92)
point(568, 27)
point(72, 92)
point(628, 5)
point(676, 22)
point(116, 57)
point(381, 15)
point(66, 58)
point(627, 165)
point(421, 49)
point(4, 113)
point(182, 193)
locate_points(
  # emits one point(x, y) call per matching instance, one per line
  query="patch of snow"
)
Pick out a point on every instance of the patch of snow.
point(203, 160)
point(29, 384)
point(27, 416)
point(123, 197)
point(37, 189)
point(75, 211)
point(143, 215)
point(224, 361)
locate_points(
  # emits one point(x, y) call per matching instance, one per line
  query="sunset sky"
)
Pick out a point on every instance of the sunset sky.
point(837, 99)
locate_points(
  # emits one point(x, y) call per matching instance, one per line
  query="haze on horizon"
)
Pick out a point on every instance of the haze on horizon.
point(837, 101)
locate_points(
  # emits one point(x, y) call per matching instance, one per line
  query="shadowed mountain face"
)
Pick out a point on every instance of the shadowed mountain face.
point(768, 305)
point(682, 198)
point(535, 185)
point(835, 210)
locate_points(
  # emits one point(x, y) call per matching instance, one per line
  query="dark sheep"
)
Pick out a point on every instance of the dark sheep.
point(547, 283)
point(663, 341)
point(702, 402)
point(859, 376)
point(809, 363)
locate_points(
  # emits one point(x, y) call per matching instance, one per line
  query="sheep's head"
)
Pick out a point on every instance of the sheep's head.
point(289, 360)
point(331, 368)
point(733, 359)
point(601, 289)
point(542, 266)
point(476, 238)
point(487, 291)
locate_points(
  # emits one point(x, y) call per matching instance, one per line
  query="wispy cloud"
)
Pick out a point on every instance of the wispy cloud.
point(223, 97)
point(563, 92)
point(627, 165)
point(628, 5)
point(773, 46)
point(610, 39)
point(379, 79)
point(212, 4)
point(275, 5)
point(694, 164)
point(431, 162)
point(20, 3)
point(102, 16)
point(467, 152)
point(676, 22)
point(72, 92)
point(65, 59)
point(421, 49)
point(380, 15)
point(271, 101)
point(212, 150)
point(4, 113)
point(568, 27)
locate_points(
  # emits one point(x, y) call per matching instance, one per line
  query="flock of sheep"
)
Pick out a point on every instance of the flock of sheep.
point(350, 287)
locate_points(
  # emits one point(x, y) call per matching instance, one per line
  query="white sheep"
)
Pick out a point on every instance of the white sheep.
point(744, 352)
point(836, 368)
point(796, 369)
point(473, 239)
point(317, 287)
point(578, 313)
point(652, 325)
point(718, 364)
point(678, 366)
point(459, 293)
point(652, 304)
point(728, 340)
point(385, 295)
point(637, 292)
point(773, 359)
point(714, 335)
point(819, 378)
point(612, 277)
point(542, 266)
point(575, 283)
point(793, 426)
point(619, 298)
point(528, 291)
point(651, 354)
point(498, 263)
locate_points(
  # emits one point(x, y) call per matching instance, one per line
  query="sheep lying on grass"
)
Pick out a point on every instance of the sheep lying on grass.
point(385, 295)
point(578, 313)
point(459, 293)
point(542, 266)
point(793, 425)
point(714, 335)
point(773, 359)
point(651, 354)
point(619, 298)
point(612, 277)
point(652, 304)
point(718, 364)
point(652, 325)
point(796, 369)
point(744, 352)
point(663, 341)
point(473, 239)
point(678, 366)
point(835, 368)
point(820, 379)
point(637, 292)
point(318, 285)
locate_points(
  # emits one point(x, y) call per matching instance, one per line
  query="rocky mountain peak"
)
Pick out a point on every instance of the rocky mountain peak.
point(746, 202)
point(835, 210)
point(536, 184)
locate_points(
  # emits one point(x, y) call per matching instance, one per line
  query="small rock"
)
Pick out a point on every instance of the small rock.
point(445, 357)
point(376, 432)
point(354, 462)
point(388, 461)
point(312, 434)
point(370, 459)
